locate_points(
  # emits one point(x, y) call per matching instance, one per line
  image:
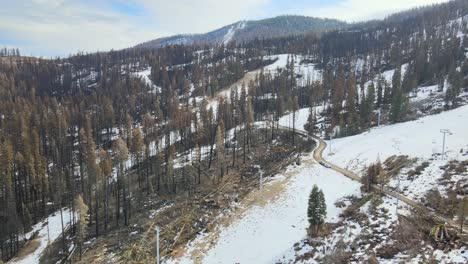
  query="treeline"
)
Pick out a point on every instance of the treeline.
point(356, 63)
point(208, 73)
point(6, 52)
point(373, 37)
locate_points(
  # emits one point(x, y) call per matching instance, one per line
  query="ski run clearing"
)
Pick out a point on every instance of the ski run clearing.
point(274, 221)
point(264, 227)
point(43, 234)
point(419, 139)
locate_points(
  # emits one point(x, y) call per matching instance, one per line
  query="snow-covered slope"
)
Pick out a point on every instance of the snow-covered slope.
point(301, 117)
point(276, 219)
point(144, 75)
point(302, 69)
point(45, 233)
point(264, 229)
point(232, 31)
point(418, 139)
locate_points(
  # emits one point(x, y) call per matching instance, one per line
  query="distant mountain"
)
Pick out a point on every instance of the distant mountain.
point(249, 30)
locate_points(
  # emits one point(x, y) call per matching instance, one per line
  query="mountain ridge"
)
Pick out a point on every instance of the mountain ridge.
point(248, 30)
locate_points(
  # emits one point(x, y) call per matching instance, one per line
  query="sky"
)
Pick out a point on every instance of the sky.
point(52, 28)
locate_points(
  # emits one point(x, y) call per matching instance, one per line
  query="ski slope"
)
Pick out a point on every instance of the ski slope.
point(267, 230)
point(417, 139)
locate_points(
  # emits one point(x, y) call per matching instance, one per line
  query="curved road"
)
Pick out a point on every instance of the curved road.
point(318, 156)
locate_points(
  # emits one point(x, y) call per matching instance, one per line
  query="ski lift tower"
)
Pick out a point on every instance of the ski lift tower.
point(444, 132)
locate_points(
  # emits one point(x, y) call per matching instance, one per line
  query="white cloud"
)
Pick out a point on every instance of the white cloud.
point(359, 10)
point(189, 16)
point(50, 3)
point(59, 27)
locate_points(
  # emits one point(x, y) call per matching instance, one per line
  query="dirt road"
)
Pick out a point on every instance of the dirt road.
point(318, 156)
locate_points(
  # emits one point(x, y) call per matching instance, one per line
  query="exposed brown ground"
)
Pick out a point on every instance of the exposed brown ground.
point(28, 248)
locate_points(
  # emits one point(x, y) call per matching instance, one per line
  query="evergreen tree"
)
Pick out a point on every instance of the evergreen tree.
point(399, 105)
point(317, 210)
point(456, 81)
point(380, 91)
point(352, 117)
point(309, 126)
point(370, 103)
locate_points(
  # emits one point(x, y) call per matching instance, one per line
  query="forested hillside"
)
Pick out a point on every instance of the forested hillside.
point(124, 132)
point(245, 31)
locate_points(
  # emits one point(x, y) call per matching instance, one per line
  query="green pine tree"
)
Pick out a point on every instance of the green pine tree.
point(399, 104)
point(317, 210)
point(310, 124)
point(456, 81)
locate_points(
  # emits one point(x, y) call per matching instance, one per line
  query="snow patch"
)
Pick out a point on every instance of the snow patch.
point(232, 31)
point(48, 230)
